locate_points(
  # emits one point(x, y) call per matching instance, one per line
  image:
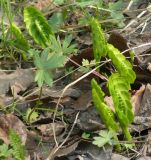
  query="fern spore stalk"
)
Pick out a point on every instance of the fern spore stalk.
point(99, 41)
point(106, 114)
point(37, 26)
point(118, 84)
point(119, 90)
point(122, 65)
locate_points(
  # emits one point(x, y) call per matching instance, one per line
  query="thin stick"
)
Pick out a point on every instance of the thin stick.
point(57, 148)
point(139, 46)
point(134, 20)
point(129, 5)
point(94, 73)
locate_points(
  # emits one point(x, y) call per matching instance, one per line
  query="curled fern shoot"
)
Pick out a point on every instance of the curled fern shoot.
point(122, 65)
point(18, 148)
point(119, 90)
point(99, 41)
point(37, 26)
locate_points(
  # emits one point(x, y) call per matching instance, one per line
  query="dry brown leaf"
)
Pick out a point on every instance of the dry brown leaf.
point(145, 108)
point(137, 98)
point(5, 101)
point(140, 123)
point(144, 158)
point(10, 121)
point(149, 67)
point(44, 4)
point(55, 92)
point(83, 102)
point(47, 129)
point(118, 156)
point(109, 102)
point(18, 81)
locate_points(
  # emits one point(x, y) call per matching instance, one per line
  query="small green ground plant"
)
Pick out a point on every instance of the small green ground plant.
point(118, 85)
point(54, 51)
point(52, 54)
point(15, 149)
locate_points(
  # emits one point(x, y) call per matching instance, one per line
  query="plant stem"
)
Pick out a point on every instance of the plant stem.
point(117, 146)
point(127, 133)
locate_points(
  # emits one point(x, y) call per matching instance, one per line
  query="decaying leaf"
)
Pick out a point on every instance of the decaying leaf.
point(56, 92)
point(9, 121)
point(83, 102)
point(109, 102)
point(17, 81)
point(140, 124)
point(144, 158)
point(47, 129)
point(137, 98)
point(44, 4)
point(118, 156)
point(145, 108)
point(149, 67)
point(5, 101)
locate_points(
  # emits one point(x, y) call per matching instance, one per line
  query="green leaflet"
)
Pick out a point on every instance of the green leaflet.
point(45, 63)
point(106, 113)
point(122, 65)
point(99, 41)
point(18, 148)
point(119, 90)
point(19, 40)
point(37, 26)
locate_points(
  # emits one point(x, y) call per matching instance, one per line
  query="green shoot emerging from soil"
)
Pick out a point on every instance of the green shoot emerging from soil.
point(118, 85)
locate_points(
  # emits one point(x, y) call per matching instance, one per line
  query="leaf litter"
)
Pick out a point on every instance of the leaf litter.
point(38, 135)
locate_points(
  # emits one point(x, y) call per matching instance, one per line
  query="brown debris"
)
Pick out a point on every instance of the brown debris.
point(17, 81)
point(9, 121)
point(145, 109)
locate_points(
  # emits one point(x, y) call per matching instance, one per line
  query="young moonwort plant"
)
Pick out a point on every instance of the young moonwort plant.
point(118, 85)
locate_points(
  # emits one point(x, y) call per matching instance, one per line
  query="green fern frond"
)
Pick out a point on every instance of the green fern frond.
point(19, 39)
point(119, 90)
point(37, 26)
point(18, 148)
point(106, 113)
point(99, 41)
point(122, 65)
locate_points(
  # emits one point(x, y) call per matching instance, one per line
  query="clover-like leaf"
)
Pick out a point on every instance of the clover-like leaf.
point(45, 63)
point(33, 116)
point(105, 137)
